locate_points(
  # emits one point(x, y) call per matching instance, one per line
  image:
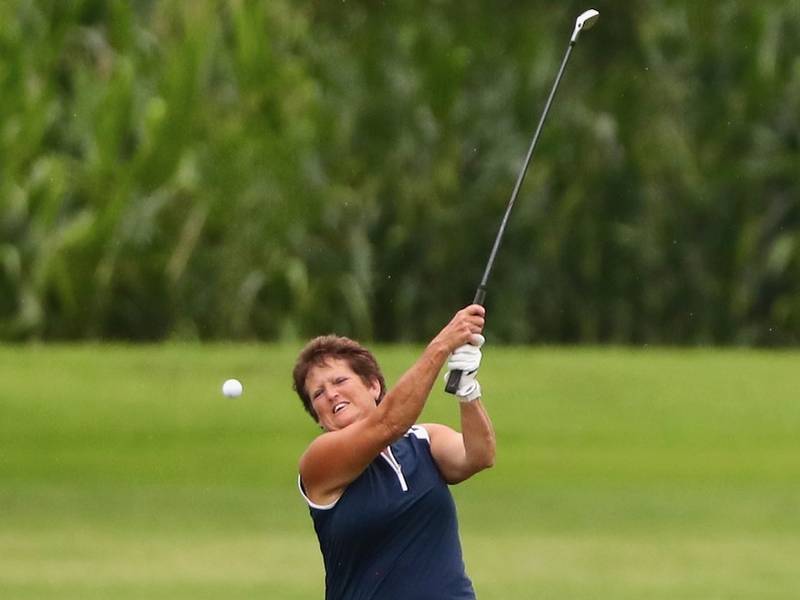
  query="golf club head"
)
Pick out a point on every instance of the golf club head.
point(585, 21)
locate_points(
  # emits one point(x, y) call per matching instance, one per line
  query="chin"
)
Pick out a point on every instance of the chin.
point(346, 420)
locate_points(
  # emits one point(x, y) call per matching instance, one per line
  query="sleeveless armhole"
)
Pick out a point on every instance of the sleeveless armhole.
point(308, 500)
point(419, 432)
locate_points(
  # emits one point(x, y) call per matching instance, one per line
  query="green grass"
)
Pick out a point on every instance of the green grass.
point(653, 474)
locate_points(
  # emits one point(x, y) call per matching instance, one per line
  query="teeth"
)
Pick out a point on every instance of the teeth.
point(339, 407)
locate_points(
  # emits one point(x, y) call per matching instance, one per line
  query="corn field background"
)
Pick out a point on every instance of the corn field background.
point(271, 170)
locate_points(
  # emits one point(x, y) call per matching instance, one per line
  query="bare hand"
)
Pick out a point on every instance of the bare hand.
point(462, 328)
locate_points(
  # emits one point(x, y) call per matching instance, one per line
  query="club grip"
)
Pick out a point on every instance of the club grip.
point(455, 376)
point(453, 379)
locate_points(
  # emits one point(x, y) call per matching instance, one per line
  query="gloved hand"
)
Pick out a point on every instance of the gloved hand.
point(467, 358)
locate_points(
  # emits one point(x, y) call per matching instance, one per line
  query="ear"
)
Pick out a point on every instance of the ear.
point(375, 389)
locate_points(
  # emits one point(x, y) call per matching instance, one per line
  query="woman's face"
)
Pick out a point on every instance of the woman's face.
point(338, 395)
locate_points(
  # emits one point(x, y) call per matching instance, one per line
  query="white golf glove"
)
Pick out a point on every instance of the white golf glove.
point(467, 359)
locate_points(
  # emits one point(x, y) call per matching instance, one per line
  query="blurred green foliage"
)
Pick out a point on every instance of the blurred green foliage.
point(272, 169)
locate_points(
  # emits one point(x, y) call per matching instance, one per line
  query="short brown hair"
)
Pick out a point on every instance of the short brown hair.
point(325, 347)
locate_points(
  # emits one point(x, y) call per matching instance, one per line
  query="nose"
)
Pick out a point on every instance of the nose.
point(329, 392)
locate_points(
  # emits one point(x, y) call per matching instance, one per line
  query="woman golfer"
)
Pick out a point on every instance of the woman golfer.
point(376, 482)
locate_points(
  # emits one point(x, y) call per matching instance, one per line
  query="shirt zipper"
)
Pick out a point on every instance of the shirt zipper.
point(389, 458)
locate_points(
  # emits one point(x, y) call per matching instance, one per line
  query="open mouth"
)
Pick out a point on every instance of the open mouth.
point(340, 407)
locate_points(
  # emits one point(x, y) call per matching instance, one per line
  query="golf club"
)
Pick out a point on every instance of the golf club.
point(585, 21)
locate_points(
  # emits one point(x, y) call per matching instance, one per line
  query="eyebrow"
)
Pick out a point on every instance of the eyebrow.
point(333, 378)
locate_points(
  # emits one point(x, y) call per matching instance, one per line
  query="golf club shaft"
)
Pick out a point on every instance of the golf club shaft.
point(455, 376)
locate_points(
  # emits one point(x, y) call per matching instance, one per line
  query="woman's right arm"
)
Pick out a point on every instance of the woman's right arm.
point(334, 459)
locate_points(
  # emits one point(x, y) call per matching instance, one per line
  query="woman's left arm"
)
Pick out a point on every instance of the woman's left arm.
point(460, 455)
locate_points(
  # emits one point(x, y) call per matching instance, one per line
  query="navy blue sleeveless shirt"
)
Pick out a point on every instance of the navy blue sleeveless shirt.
point(393, 534)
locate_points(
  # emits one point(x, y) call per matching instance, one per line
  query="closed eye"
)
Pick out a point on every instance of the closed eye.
point(340, 380)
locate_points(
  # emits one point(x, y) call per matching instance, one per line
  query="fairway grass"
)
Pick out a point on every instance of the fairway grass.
point(124, 473)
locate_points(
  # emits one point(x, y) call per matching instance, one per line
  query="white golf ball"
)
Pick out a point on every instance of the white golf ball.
point(232, 388)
